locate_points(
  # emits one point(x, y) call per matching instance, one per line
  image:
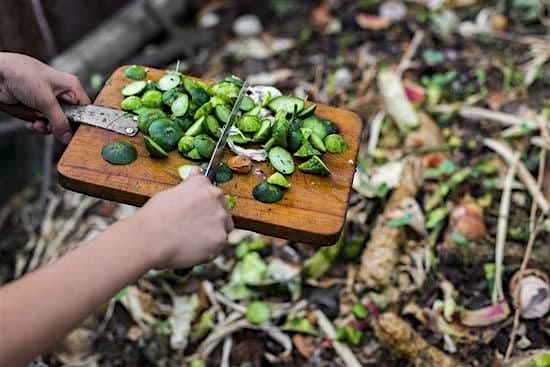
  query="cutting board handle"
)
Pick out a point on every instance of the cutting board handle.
point(20, 111)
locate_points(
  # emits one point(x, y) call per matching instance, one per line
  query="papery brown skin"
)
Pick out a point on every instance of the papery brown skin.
point(240, 164)
point(467, 219)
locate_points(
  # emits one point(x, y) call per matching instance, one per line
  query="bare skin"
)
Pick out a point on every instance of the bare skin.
point(168, 232)
point(38, 86)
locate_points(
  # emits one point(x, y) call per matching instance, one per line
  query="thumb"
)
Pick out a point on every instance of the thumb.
point(195, 171)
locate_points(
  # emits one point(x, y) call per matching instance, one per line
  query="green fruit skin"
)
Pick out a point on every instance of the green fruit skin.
point(223, 173)
point(249, 124)
point(194, 155)
point(185, 144)
point(147, 117)
point(317, 142)
point(170, 96)
point(281, 160)
point(165, 133)
point(213, 126)
point(180, 106)
point(280, 133)
point(287, 104)
point(131, 103)
point(199, 95)
point(119, 152)
point(183, 122)
point(279, 180)
point(267, 193)
point(153, 148)
point(317, 125)
point(135, 72)
point(314, 166)
point(264, 132)
point(335, 144)
point(222, 113)
point(247, 104)
point(205, 145)
point(306, 150)
point(152, 99)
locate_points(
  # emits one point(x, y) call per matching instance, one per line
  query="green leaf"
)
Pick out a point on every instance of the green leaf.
point(445, 168)
point(300, 325)
point(359, 311)
point(433, 57)
point(257, 312)
point(436, 216)
point(349, 335)
point(400, 222)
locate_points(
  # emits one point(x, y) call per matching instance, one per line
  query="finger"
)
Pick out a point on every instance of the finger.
point(60, 127)
point(73, 92)
point(195, 171)
point(229, 225)
point(40, 126)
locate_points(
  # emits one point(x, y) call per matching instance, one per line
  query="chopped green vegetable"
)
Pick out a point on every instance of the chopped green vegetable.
point(169, 81)
point(165, 133)
point(223, 173)
point(264, 132)
point(257, 312)
point(223, 112)
point(306, 150)
point(249, 124)
point(317, 142)
point(213, 126)
point(147, 117)
point(267, 193)
point(315, 166)
point(196, 128)
point(317, 125)
point(349, 335)
point(230, 202)
point(280, 133)
point(287, 104)
point(180, 105)
point(247, 103)
point(152, 99)
point(193, 154)
point(186, 143)
point(308, 111)
point(170, 96)
point(131, 103)
point(135, 72)
point(185, 171)
point(154, 149)
point(335, 144)
point(205, 145)
point(281, 160)
point(278, 179)
point(133, 88)
point(119, 152)
point(300, 325)
point(184, 123)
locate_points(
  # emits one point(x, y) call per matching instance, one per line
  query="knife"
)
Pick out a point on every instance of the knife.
point(106, 118)
point(216, 158)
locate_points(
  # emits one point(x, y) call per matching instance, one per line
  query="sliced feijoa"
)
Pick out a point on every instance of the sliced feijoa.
point(119, 152)
point(287, 104)
point(147, 116)
point(169, 81)
point(133, 88)
point(249, 124)
point(135, 72)
point(308, 111)
point(335, 143)
point(317, 125)
point(267, 193)
point(205, 145)
point(153, 148)
point(152, 99)
point(186, 143)
point(315, 166)
point(278, 179)
point(281, 160)
point(223, 173)
point(165, 133)
point(180, 105)
point(131, 103)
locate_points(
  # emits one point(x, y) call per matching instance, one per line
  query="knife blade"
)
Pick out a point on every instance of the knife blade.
point(210, 171)
point(106, 118)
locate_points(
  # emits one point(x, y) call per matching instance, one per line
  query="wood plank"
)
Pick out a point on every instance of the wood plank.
point(312, 211)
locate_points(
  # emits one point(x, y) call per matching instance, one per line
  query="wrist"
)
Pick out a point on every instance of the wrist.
point(141, 241)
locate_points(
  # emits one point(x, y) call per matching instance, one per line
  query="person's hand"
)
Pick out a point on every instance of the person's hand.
point(185, 225)
point(38, 86)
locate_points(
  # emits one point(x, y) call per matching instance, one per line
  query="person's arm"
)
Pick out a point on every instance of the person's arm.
point(177, 228)
point(38, 86)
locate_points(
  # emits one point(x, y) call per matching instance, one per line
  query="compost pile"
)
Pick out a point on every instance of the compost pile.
point(444, 257)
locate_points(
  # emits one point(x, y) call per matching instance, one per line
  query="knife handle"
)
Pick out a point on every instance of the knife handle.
point(20, 111)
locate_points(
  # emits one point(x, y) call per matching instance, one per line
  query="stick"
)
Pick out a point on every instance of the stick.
point(411, 50)
point(342, 349)
point(504, 118)
point(374, 134)
point(502, 228)
point(523, 173)
point(533, 231)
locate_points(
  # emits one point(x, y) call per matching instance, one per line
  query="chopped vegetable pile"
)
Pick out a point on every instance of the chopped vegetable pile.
point(179, 112)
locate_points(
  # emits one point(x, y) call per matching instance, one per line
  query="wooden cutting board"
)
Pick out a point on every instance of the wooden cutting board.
point(312, 211)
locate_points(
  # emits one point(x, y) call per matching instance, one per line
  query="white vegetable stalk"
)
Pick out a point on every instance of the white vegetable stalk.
point(397, 104)
point(258, 155)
